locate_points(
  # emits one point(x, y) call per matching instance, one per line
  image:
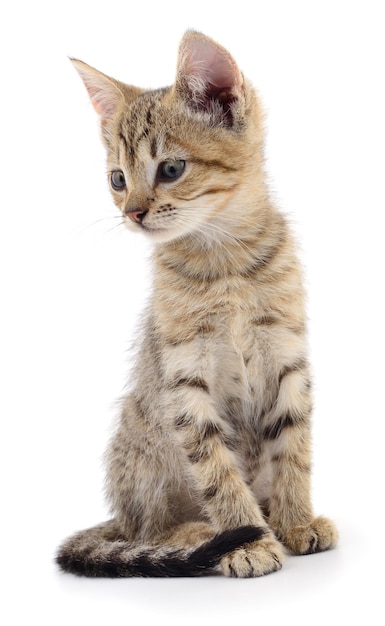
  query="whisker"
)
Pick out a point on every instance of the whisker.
point(114, 230)
point(116, 226)
point(81, 230)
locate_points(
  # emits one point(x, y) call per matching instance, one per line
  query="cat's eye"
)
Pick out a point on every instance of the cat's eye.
point(170, 170)
point(118, 182)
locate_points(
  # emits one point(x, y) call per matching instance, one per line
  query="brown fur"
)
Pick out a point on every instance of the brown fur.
point(215, 432)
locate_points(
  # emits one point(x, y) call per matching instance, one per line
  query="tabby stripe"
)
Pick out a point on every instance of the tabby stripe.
point(264, 259)
point(153, 148)
point(180, 268)
point(183, 420)
point(122, 137)
point(203, 329)
point(142, 135)
point(198, 454)
point(199, 437)
point(213, 163)
point(303, 467)
point(294, 367)
point(210, 492)
point(273, 431)
point(293, 460)
point(264, 320)
point(200, 450)
point(149, 113)
point(202, 432)
point(209, 430)
point(195, 382)
point(212, 190)
point(269, 320)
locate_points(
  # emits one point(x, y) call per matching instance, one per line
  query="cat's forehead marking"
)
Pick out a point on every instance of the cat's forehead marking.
point(137, 128)
point(145, 129)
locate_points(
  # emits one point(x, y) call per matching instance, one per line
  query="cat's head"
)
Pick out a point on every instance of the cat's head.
point(181, 159)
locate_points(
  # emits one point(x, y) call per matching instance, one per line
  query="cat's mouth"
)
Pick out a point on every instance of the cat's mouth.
point(160, 233)
point(160, 227)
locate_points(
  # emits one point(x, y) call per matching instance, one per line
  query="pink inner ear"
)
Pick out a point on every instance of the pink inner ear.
point(102, 90)
point(103, 103)
point(211, 64)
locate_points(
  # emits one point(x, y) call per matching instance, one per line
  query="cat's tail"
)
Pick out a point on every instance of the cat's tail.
point(97, 552)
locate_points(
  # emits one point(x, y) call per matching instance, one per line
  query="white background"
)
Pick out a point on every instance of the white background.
point(73, 284)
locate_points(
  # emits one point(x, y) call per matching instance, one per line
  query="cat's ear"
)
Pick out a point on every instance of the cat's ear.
point(208, 78)
point(107, 94)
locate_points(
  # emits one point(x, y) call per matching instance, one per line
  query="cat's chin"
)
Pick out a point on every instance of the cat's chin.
point(156, 235)
point(159, 235)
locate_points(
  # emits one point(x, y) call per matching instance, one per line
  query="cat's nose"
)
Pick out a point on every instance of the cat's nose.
point(137, 215)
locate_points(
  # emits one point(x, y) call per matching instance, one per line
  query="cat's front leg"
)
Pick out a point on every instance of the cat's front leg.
point(288, 436)
point(291, 513)
point(207, 441)
point(226, 498)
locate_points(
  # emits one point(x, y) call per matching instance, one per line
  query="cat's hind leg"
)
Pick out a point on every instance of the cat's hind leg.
point(189, 535)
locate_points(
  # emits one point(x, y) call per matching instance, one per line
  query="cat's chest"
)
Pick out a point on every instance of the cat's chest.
point(238, 315)
point(244, 353)
point(220, 332)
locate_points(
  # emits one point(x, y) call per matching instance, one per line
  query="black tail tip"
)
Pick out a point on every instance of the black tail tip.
point(211, 552)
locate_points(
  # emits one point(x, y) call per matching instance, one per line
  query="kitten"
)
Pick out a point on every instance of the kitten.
point(210, 465)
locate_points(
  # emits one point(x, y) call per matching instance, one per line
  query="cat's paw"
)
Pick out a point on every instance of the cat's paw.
point(255, 559)
point(321, 534)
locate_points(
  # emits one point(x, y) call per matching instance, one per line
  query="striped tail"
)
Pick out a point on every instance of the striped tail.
point(88, 553)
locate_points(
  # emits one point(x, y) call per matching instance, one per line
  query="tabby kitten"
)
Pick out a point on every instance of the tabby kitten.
point(210, 464)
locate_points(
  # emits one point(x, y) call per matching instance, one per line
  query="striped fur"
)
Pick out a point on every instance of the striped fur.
point(214, 435)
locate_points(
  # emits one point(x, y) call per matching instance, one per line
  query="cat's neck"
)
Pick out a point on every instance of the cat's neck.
point(221, 252)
